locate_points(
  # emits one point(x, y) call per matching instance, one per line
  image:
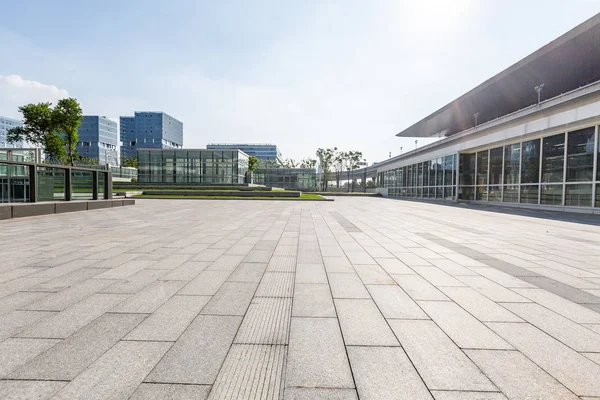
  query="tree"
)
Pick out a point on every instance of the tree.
point(131, 162)
point(338, 165)
point(66, 117)
point(252, 163)
point(83, 160)
point(55, 130)
point(351, 162)
point(309, 163)
point(326, 157)
point(290, 163)
point(39, 130)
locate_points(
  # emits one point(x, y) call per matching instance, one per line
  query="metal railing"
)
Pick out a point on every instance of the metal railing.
point(22, 182)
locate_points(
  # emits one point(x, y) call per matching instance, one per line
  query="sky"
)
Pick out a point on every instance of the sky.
point(303, 75)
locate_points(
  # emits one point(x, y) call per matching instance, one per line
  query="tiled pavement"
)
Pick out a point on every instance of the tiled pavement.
point(359, 298)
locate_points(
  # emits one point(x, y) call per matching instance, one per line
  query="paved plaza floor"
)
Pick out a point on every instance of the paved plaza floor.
point(361, 298)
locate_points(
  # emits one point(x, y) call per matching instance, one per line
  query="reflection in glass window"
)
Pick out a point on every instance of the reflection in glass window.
point(551, 194)
point(439, 172)
point(512, 156)
point(530, 164)
point(529, 194)
point(495, 193)
point(578, 195)
point(467, 169)
point(511, 194)
point(419, 175)
point(432, 165)
point(481, 193)
point(553, 157)
point(580, 155)
point(467, 193)
point(496, 166)
point(448, 177)
point(482, 167)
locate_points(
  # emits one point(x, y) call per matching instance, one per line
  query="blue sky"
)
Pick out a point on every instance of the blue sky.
point(302, 74)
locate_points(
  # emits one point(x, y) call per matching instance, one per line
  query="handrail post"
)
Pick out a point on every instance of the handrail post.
point(67, 183)
point(108, 186)
point(95, 185)
point(33, 192)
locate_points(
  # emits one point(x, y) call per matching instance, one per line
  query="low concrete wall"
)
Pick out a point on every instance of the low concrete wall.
point(13, 210)
point(228, 193)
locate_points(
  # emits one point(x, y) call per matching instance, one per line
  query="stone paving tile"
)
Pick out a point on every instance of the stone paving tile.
point(454, 395)
point(338, 264)
point(373, 274)
point(186, 271)
point(248, 272)
point(479, 306)
point(169, 321)
point(316, 355)
point(437, 277)
point(394, 266)
point(362, 323)
point(464, 329)
point(233, 298)
point(225, 263)
point(136, 282)
point(124, 270)
point(385, 373)
point(492, 290)
point(199, 353)
point(395, 303)
point(570, 333)
point(149, 299)
point(159, 391)
point(25, 390)
point(560, 305)
point(310, 273)
point(441, 364)
point(67, 359)
point(19, 300)
point(207, 283)
point(65, 323)
point(117, 373)
point(575, 371)
point(251, 371)
point(319, 394)
point(418, 288)
point(517, 376)
point(266, 322)
point(276, 284)
point(282, 264)
point(313, 300)
point(347, 286)
point(16, 352)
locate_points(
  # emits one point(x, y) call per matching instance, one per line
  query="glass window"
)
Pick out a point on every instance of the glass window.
point(530, 163)
point(597, 195)
point(467, 193)
point(482, 168)
point(439, 172)
point(467, 169)
point(496, 166)
point(511, 194)
point(580, 155)
point(432, 165)
point(495, 193)
point(448, 177)
point(551, 194)
point(529, 194)
point(512, 157)
point(553, 157)
point(578, 195)
point(420, 175)
point(481, 193)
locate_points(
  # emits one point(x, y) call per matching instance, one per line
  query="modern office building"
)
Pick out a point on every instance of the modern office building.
point(98, 139)
point(7, 124)
point(286, 178)
point(150, 130)
point(191, 166)
point(525, 137)
point(268, 154)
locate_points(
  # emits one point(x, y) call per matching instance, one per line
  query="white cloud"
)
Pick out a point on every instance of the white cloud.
point(16, 91)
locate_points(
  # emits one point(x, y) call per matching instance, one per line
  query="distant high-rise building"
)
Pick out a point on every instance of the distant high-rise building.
point(150, 130)
point(7, 124)
point(98, 139)
point(265, 152)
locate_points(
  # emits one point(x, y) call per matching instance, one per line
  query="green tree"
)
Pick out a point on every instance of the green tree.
point(66, 117)
point(253, 163)
point(39, 130)
point(290, 163)
point(131, 162)
point(326, 157)
point(351, 162)
point(338, 165)
point(309, 163)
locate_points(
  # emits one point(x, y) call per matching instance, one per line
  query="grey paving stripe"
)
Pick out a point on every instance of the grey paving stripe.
point(347, 225)
point(563, 290)
point(251, 372)
point(266, 322)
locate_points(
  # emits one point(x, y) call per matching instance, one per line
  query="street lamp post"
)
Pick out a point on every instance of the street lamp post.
point(538, 89)
point(476, 115)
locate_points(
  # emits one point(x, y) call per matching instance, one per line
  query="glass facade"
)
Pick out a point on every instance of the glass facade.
point(268, 154)
point(150, 130)
point(7, 124)
point(287, 178)
point(192, 166)
point(98, 139)
point(555, 170)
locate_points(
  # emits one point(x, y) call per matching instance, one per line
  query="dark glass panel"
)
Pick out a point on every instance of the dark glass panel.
point(512, 157)
point(578, 195)
point(530, 164)
point(467, 169)
point(529, 194)
point(551, 194)
point(482, 168)
point(496, 166)
point(511, 194)
point(553, 157)
point(580, 155)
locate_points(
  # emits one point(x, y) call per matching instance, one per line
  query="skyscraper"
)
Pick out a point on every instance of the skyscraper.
point(5, 125)
point(98, 139)
point(150, 130)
